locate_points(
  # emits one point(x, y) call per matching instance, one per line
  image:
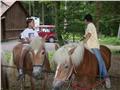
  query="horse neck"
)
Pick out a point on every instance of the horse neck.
point(88, 67)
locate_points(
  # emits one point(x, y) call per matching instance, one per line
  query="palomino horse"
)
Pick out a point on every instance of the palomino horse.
point(76, 60)
point(32, 58)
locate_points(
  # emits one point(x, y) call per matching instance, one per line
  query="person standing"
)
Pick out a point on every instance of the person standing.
point(91, 41)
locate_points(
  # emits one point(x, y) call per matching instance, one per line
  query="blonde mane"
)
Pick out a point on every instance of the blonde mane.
point(77, 55)
point(36, 43)
point(62, 55)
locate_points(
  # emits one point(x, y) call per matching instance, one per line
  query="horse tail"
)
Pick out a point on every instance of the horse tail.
point(106, 53)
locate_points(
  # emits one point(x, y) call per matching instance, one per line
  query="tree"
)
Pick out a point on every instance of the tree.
point(58, 21)
point(119, 31)
point(106, 15)
point(98, 14)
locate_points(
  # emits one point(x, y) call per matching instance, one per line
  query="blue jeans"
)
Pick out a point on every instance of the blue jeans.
point(102, 67)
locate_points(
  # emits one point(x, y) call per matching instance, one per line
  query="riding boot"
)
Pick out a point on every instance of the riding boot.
point(21, 75)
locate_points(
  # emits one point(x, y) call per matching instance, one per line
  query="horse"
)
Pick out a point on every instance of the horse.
point(33, 59)
point(79, 63)
point(4, 74)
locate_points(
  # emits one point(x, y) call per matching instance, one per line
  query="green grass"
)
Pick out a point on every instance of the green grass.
point(52, 63)
point(50, 55)
point(110, 40)
point(7, 56)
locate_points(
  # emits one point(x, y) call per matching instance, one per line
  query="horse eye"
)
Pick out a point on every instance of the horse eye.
point(43, 53)
point(66, 66)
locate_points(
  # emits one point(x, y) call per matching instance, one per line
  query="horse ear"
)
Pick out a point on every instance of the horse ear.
point(70, 52)
point(44, 38)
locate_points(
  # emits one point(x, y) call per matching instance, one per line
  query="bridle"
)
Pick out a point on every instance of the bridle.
point(72, 69)
point(41, 65)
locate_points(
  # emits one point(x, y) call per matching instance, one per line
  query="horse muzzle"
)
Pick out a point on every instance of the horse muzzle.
point(37, 72)
point(57, 84)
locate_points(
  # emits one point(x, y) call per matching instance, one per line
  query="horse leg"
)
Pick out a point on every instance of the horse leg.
point(32, 83)
point(44, 84)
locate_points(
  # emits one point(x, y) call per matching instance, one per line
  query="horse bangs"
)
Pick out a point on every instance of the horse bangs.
point(61, 55)
point(36, 43)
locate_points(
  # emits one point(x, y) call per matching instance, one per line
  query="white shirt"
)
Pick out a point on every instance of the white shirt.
point(29, 33)
point(93, 40)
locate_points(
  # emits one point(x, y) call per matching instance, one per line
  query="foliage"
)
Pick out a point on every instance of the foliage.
point(110, 18)
point(68, 16)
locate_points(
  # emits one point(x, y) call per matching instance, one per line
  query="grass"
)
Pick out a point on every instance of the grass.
point(50, 55)
point(52, 63)
point(7, 56)
point(110, 40)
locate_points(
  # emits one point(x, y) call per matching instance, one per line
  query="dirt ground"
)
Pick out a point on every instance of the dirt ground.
point(114, 73)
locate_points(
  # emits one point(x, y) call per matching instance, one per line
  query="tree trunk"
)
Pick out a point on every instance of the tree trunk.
point(119, 32)
point(43, 21)
point(33, 8)
point(57, 21)
point(30, 8)
point(98, 12)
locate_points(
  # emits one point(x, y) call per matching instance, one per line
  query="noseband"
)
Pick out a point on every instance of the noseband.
point(40, 65)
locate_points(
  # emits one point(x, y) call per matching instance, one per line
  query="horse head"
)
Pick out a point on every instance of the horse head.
point(40, 56)
point(67, 57)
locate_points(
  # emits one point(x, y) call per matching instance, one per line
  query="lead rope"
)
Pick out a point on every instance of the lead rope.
point(69, 84)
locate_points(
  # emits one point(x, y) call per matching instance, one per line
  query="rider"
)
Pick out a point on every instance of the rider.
point(91, 41)
point(29, 33)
